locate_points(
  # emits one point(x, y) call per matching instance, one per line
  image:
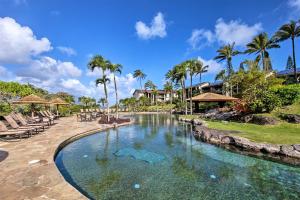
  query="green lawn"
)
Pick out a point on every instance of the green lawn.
point(283, 133)
point(292, 109)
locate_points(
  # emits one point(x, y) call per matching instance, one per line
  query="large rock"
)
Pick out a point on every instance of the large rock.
point(292, 118)
point(289, 150)
point(260, 120)
point(270, 148)
point(199, 122)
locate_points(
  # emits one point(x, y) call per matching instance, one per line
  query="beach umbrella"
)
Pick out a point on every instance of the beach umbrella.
point(31, 100)
point(57, 102)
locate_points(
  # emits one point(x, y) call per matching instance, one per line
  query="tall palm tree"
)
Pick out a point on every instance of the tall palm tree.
point(179, 76)
point(168, 87)
point(290, 30)
point(150, 85)
point(102, 101)
point(140, 76)
point(99, 62)
point(191, 68)
point(103, 81)
point(116, 69)
point(226, 53)
point(200, 69)
point(221, 75)
point(259, 45)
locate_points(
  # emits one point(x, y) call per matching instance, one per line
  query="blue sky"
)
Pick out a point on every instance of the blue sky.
point(48, 43)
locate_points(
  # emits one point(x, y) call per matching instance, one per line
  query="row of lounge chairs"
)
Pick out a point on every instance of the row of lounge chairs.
point(16, 125)
point(89, 114)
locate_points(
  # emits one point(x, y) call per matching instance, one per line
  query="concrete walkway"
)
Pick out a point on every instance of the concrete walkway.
point(29, 171)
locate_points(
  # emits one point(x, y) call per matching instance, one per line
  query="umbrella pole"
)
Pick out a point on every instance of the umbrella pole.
point(32, 112)
point(57, 110)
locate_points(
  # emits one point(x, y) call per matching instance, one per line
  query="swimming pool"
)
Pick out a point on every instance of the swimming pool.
point(158, 158)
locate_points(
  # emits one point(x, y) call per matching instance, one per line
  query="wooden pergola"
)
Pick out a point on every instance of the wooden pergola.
point(211, 97)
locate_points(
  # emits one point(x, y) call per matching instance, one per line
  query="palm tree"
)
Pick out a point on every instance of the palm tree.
point(221, 75)
point(259, 45)
point(99, 62)
point(103, 81)
point(179, 76)
point(150, 85)
point(140, 76)
point(290, 30)
point(168, 87)
point(84, 100)
point(226, 53)
point(116, 68)
point(102, 101)
point(191, 68)
point(200, 69)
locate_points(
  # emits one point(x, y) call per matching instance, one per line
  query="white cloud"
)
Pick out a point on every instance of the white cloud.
point(224, 33)
point(68, 69)
point(18, 43)
point(201, 38)
point(236, 31)
point(214, 66)
point(74, 86)
point(96, 73)
point(67, 50)
point(156, 29)
point(47, 68)
point(294, 4)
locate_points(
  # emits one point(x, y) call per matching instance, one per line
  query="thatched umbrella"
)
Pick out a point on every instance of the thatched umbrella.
point(31, 100)
point(57, 102)
point(212, 97)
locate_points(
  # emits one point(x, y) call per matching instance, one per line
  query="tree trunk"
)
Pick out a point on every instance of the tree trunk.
point(191, 95)
point(294, 59)
point(117, 100)
point(200, 75)
point(184, 96)
point(263, 61)
point(106, 97)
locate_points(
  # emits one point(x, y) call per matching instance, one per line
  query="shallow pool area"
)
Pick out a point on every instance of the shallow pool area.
point(158, 158)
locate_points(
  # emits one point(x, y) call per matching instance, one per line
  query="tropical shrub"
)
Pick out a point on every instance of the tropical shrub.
point(266, 102)
point(5, 108)
point(288, 94)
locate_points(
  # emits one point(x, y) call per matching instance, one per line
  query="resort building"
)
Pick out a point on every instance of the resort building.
point(161, 95)
point(288, 73)
point(215, 87)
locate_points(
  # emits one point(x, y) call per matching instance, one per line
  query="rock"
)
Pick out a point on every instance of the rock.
point(269, 148)
point(297, 147)
point(227, 140)
point(199, 122)
point(289, 150)
point(286, 149)
point(260, 120)
point(291, 118)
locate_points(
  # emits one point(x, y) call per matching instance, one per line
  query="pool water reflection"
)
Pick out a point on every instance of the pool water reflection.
point(189, 169)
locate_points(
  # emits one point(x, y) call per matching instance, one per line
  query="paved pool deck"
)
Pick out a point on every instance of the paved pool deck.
point(41, 180)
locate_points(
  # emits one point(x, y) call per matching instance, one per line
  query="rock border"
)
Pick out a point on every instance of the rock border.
point(288, 154)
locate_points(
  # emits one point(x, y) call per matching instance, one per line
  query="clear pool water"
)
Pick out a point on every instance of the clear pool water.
point(117, 164)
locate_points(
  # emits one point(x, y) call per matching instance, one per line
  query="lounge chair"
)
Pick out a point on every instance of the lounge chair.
point(4, 131)
point(51, 114)
point(15, 125)
point(51, 119)
point(18, 117)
